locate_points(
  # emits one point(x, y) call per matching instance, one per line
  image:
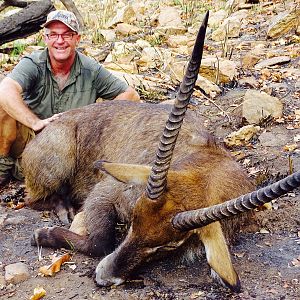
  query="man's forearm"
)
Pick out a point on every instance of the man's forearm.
point(129, 94)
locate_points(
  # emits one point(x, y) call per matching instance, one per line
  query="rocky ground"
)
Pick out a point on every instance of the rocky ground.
point(249, 98)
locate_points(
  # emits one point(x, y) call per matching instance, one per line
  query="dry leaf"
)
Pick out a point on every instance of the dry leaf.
point(38, 293)
point(50, 270)
point(297, 138)
point(297, 114)
point(296, 262)
point(267, 206)
point(19, 205)
point(291, 147)
point(197, 295)
point(239, 254)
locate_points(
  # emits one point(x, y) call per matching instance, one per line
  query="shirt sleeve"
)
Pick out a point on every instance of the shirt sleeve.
point(107, 85)
point(25, 73)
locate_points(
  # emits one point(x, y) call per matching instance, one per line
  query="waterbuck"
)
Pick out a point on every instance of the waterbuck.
point(103, 156)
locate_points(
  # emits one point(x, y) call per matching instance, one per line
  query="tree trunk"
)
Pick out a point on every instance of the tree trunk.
point(25, 22)
point(70, 5)
point(17, 3)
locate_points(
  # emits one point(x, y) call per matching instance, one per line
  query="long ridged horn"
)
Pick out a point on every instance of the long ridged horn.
point(157, 178)
point(200, 217)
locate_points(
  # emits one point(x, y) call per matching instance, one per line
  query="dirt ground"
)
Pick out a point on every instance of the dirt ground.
point(265, 259)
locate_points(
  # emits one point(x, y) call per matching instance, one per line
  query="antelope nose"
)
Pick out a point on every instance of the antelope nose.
point(104, 272)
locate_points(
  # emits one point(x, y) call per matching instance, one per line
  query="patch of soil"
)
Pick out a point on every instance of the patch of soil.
point(263, 261)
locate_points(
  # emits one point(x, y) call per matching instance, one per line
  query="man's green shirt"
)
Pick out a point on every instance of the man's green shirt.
point(88, 81)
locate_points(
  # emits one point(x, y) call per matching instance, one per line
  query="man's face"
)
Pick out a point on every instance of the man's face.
point(61, 41)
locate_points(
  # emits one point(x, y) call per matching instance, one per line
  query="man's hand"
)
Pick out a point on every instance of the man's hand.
point(40, 124)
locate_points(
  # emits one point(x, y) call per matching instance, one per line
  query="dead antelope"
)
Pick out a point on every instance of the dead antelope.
point(166, 205)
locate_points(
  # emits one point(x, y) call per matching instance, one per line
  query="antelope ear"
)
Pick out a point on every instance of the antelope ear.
point(127, 173)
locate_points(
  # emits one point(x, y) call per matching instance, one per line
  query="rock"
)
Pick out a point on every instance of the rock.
point(223, 70)
point(175, 41)
point(136, 80)
point(258, 105)
point(169, 17)
point(128, 68)
point(15, 220)
point(78, 224)
point(16, 273)
point(108, 34)
point(170, 30)
point(259, 49)
point(272, 61)
point(208, 87)
point(240, 14)
point(242, 136)
point(3, 216)
point(2, 282)
point(149, 57)
point(125, 14)
point(249, 60)
point(230, 27)
point(127, 29)
point(96, 53)
point(270, 139)
point(122, 53)
point(283, 23)
point(142, 44)
point(177, 70)
point(249, 81)
point(217, 18)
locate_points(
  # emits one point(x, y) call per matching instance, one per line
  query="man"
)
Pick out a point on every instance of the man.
point(47, 83)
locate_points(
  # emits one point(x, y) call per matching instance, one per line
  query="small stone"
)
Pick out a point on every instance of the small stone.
point(16, 273)
point(15, 220)
point(125, 14)
point(241, 136)
point(213, 68)
point(2, 282)
point(127, 29)
point(208, 87)
point(258, 105)
point(283, 23)
point(269, 139)
point(272, 61)
point(249, 60)
point(169, 16)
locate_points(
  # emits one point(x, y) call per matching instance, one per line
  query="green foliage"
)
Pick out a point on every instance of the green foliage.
point(39, 40)
point(18, 49)
point(192, 9)
point(98, 38)
point(156, 39)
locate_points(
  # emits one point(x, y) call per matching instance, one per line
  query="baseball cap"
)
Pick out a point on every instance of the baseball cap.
point(64, 16)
